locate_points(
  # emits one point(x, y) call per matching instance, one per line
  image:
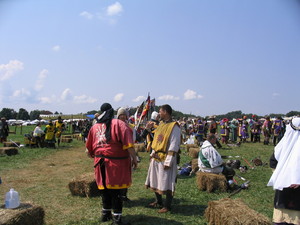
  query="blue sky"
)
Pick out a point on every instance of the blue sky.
point(200, 56)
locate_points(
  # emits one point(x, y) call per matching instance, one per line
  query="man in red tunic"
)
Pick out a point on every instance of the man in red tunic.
point(110, 143)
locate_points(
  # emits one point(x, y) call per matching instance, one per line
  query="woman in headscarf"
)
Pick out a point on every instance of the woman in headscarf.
point(110, 143)
point(286, 177)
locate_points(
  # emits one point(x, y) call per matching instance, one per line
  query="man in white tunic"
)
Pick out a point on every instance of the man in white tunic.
point(210, 161)
point(162, 170)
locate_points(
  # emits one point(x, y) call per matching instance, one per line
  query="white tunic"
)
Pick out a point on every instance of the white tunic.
point(212, 156)
point(159, 179)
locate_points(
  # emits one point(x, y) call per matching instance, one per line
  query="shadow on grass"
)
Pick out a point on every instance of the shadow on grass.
point(145, 219)
point(177, 208)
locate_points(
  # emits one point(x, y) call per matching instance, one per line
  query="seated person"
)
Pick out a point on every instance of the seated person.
point(210, 161)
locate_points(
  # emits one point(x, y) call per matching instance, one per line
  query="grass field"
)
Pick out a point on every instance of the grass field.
point(41, 176)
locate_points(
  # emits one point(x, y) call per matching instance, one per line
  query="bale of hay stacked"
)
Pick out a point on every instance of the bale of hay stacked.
point(195, 166)
point(8, 151)
point(77, 136)
point(10, 144)
point(25, 214)
point(84, 185)
point(139, 147)
point(211, 182)
point(193, 152)
point(66, 138)
point(188, 146)
point(233, 212)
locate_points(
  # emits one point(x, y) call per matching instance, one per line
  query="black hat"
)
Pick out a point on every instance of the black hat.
point(105, 106)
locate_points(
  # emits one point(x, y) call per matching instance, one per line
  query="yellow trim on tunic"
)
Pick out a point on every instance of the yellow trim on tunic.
point(130, 145)
point(101, 187)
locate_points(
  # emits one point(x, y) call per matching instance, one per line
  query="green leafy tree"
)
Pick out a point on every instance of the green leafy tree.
point(8, 113)
point(35, 114)
point(23, 114)
point(293, 113)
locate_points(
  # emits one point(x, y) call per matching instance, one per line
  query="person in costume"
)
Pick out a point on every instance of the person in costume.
point(233, 130)
point(277, 128)
point(148, 134)
point(50, 135)
point(213, 128)
point(224, 131)
point(244, 132)
point(210, 161)
point(4, 130)
point(267, 126)
point(286, 176)
point(60, 127)
point(39, 135)
point(110, 144)
point(256, 129)
point(162, 172)
point(199, 131)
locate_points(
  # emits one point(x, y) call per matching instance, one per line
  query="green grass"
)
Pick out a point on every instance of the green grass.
point(188, 206)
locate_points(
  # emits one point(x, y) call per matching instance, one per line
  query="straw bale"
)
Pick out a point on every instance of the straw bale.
point(233, 212)
point(10, 144)
point(9, 151)
point(66, 140)
point(193, 152)
point(139, 147)
point(211, 182)
point(84, 185)
point(66, 136)
point(77, 136)
point(188, 146)
point(195, 166)
point(25, 214)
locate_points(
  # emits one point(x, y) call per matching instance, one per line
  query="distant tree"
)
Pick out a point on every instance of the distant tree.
point(46, 112)
point(8, 113)
point(275, 115)
point(234, 114)
point(23, 114)
point(293, 113)
point(35, 114)
point(93, 112)
point(56, 113)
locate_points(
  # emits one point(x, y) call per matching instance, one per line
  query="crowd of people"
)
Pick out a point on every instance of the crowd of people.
point(234, 131)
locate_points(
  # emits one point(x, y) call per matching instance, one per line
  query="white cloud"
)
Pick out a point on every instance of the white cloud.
point(84, 99)
point(22, 93)
point(114, 9)
point(139, 99)
point(66, 94)
point(168, 97)
point(86, 15)
point(45, 100)
point(190, 94)
point(56, 48)
point(9, 70)
point(41, 80)
point(118, 97)
point(275, 94)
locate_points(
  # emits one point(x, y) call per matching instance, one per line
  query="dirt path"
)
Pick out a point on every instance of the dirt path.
point(45, 183)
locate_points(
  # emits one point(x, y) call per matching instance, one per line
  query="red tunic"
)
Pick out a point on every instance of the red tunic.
point(117, 171)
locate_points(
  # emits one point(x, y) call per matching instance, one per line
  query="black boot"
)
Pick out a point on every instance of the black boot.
point(117, 220)
point(106, 215)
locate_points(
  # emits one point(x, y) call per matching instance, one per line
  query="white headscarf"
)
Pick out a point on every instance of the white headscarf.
point(287, 153)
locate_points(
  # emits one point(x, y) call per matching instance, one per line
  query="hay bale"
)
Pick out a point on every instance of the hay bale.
point(77, 136)
point(66, 140)
point(84, 185)
point(139, 147)
point(9, 151)
point(66, 136)
point(233, 212)
point(10, 144)
point(193, 152)
point(188, 146)
point(211, 182)
point(25, 214)
point(195, 166)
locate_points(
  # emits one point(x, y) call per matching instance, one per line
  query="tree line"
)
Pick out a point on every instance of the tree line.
point(23, 114)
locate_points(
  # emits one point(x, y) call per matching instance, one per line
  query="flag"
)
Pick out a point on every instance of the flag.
point(146, 108)
point(138, 112)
